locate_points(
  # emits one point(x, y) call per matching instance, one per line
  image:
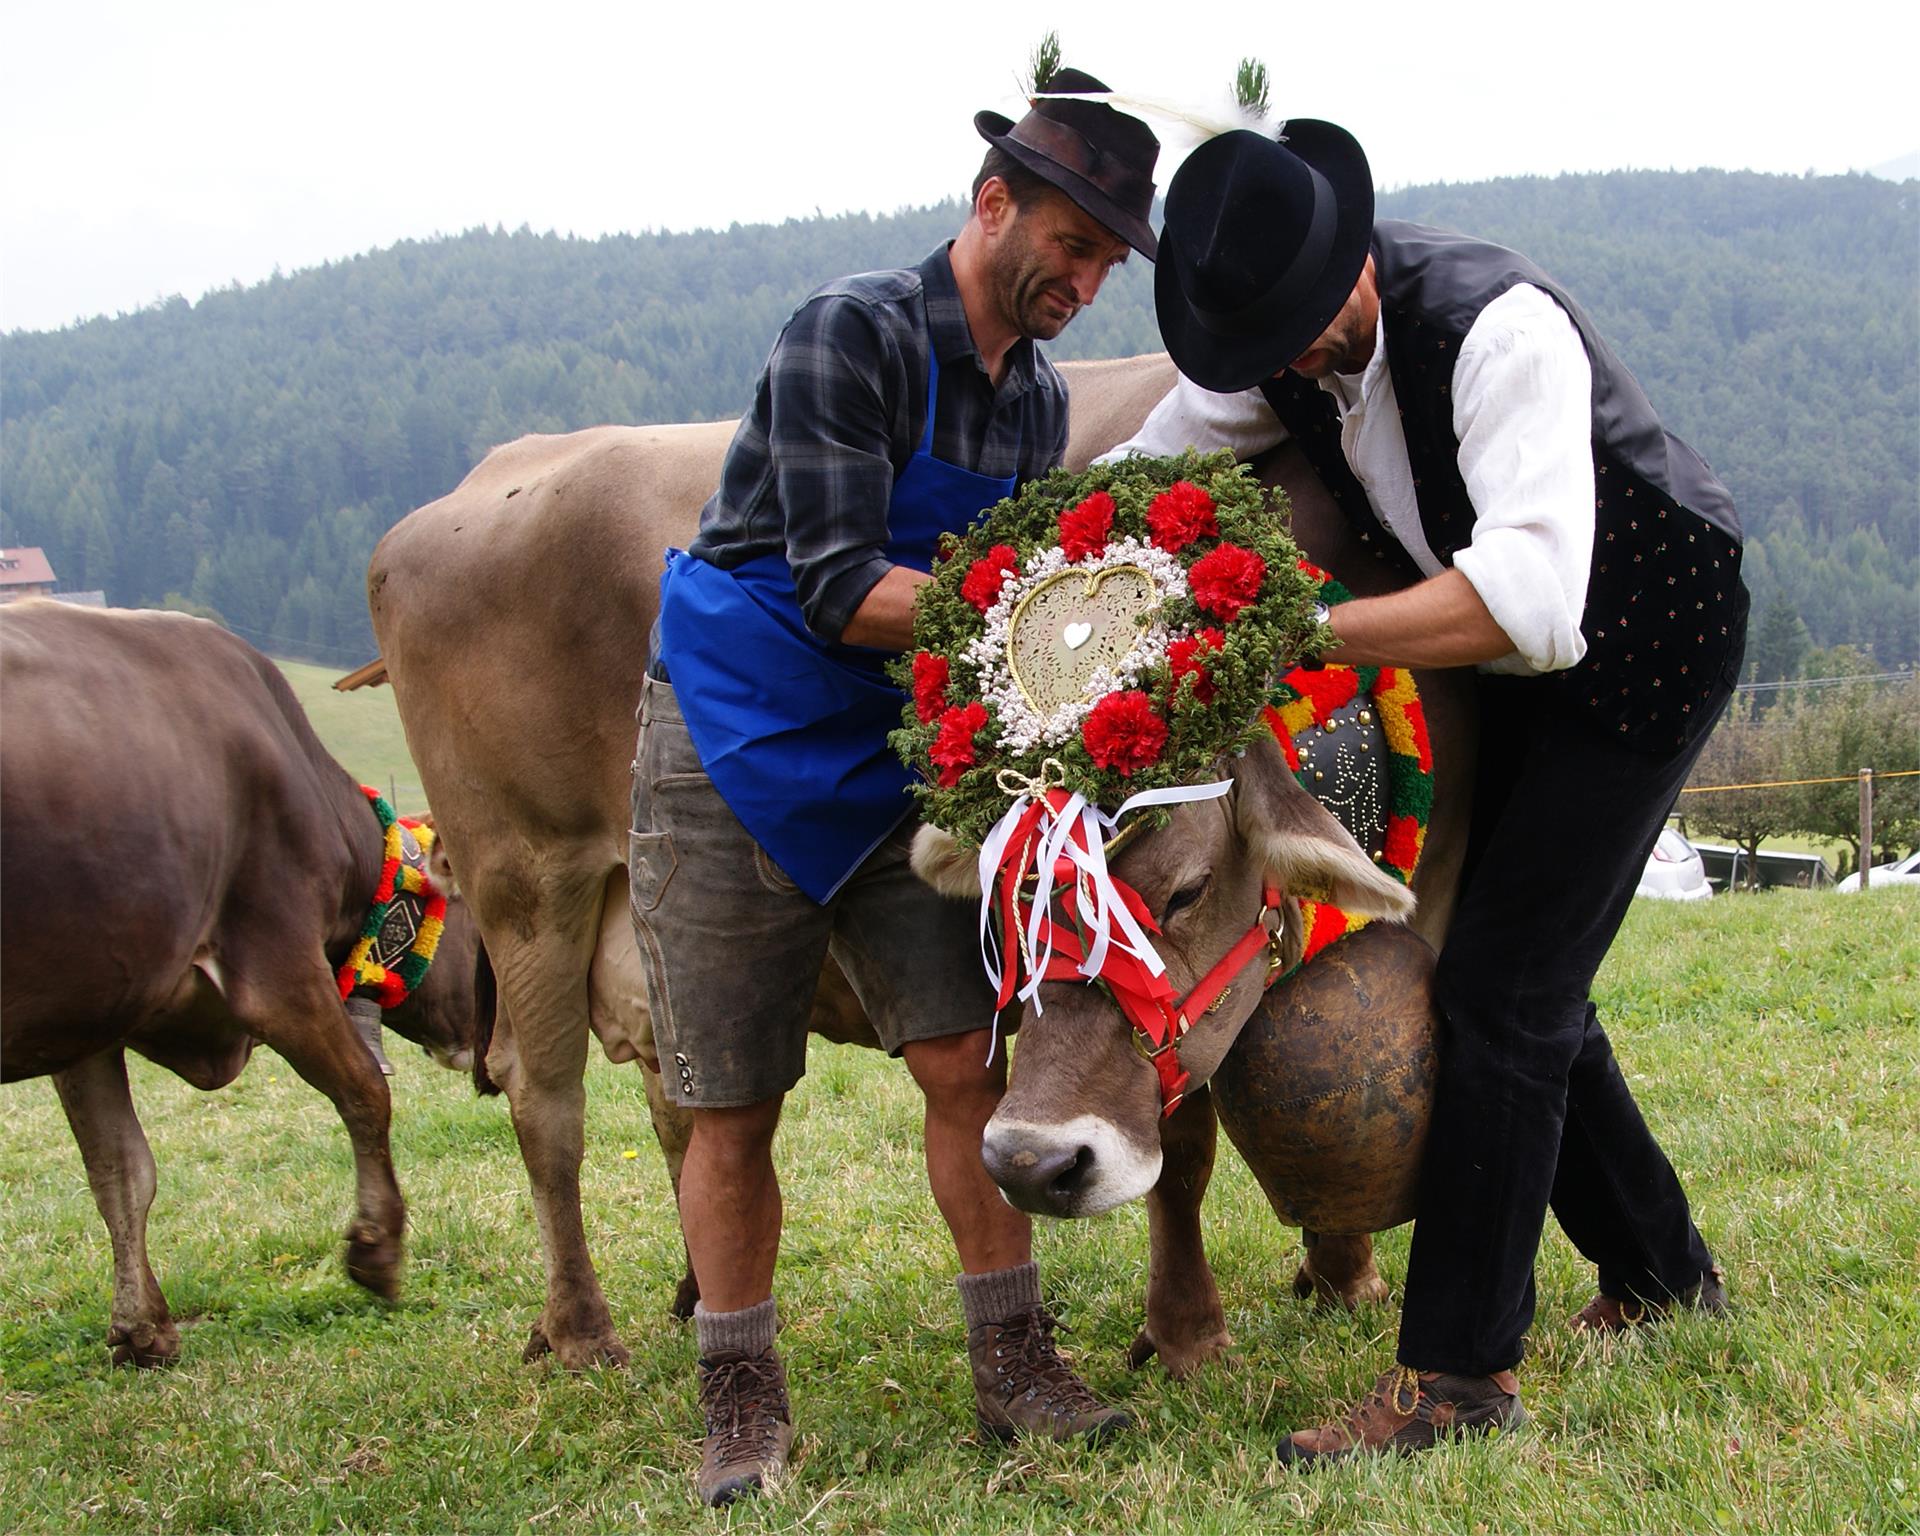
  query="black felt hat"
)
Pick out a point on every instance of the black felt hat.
point(1099, 156)
point(1262, 244)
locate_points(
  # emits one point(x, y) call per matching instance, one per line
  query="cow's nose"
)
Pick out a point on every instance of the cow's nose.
point(1043, 1178)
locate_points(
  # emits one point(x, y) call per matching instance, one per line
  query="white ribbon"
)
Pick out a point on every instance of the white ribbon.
point(1101, 906)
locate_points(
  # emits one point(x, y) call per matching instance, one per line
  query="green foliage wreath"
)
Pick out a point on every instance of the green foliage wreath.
point(1223, 609)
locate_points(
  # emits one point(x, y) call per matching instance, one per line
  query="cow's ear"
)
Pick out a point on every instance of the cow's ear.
point(946, 864)
point(1303, 846)
point(439, 865)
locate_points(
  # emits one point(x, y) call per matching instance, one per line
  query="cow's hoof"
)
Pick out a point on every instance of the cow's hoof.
point(685, 1297)
point(373, 1260)
point(580, 1354)
point(144, 1345)
point(1366, 1289)
point(1179, 1358)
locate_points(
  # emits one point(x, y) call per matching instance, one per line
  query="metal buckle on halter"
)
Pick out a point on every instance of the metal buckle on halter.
point(1276, 939)
point(1181, 1024)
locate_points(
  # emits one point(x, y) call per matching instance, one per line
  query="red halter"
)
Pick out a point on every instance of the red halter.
point(1160, 1017)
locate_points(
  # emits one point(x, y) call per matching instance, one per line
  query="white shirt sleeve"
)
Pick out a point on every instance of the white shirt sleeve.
point(1523, 414)
point(1191, 417)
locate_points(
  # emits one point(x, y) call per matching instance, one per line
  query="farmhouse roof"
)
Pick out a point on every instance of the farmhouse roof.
point(24, 567)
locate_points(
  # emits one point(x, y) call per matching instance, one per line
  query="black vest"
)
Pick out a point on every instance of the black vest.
point(1666, 610)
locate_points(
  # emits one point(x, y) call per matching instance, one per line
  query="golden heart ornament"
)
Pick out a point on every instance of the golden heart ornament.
point(1073, 625)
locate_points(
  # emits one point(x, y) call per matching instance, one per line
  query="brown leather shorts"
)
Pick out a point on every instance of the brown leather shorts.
point(733, 949)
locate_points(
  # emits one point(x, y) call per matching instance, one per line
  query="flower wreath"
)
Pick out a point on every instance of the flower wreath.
point(1309, 697)
point(1022, 670)
point(406, 900)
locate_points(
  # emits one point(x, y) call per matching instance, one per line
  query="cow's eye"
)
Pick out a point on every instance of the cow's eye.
point(1181, 899)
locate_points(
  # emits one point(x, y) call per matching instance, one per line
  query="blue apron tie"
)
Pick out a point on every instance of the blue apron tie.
point(792, 729)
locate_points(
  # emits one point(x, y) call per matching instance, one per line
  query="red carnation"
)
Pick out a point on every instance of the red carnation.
point(953, 747)
point(1179, 515)
point(1084, 529)
point(1187, 655)
point(929, 685)
point(1227, 580)
point(1124, 733)
point(1314, 571)
point(988, 574)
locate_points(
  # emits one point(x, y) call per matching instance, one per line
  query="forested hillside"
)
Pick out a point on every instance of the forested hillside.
point(246, 452)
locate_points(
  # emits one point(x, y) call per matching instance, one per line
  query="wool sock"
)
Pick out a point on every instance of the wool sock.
point(749, 1331)
point(999, 1294)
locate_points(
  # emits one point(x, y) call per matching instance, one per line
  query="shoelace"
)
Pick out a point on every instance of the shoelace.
point(1396, 1395)
point(1028, 1340)
point(741, 1399)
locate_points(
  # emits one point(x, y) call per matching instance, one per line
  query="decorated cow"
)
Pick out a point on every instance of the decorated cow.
point(1106, 745)
point(186, 873)
point(512, 616)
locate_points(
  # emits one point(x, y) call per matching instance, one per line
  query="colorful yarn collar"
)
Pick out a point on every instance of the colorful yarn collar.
point(404, 923)
point(1308, 698)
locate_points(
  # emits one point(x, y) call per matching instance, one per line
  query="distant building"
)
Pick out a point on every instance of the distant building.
point(25, 573)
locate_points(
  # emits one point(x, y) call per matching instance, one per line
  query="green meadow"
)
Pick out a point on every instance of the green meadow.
point(361, 729)
point(1774, 1041)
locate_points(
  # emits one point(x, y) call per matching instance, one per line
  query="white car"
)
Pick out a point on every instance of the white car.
point(1903, 872)
point(1674, 871)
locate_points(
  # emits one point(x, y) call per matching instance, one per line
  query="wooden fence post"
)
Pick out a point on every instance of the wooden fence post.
point(1866, 827)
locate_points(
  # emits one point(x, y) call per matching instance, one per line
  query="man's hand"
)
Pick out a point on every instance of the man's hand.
point(884, 619)
point(1440, 623)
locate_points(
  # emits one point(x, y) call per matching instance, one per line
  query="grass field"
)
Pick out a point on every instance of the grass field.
point(361, 729)
point(1773, 1040)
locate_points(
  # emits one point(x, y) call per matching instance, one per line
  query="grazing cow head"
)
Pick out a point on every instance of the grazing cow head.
point(1079, 1129)
point(442, 1014)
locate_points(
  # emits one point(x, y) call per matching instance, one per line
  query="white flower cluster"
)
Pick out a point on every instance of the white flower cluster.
point(1023, 727)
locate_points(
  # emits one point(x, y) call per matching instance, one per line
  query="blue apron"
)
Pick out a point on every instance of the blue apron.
point(792, 729)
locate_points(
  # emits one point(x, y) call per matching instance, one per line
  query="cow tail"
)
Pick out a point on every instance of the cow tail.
point(486, 999)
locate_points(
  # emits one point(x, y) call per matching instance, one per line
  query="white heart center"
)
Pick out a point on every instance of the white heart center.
point(1076, 635)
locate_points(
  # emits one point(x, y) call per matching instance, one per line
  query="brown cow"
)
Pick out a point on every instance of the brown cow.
point(513, 616)
point(184, 869)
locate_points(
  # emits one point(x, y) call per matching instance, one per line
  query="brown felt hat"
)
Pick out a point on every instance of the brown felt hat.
point(1099, 156)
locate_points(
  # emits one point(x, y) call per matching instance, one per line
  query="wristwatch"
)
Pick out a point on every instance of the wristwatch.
point(1321, 614)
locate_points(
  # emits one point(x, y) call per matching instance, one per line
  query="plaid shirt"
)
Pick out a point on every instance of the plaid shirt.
point(838, 412)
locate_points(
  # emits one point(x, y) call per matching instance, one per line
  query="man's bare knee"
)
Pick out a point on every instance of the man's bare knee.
point(736, 1135)
point(956, 1065)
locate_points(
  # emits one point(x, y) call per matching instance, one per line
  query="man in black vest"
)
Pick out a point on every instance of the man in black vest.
point(1470, 422)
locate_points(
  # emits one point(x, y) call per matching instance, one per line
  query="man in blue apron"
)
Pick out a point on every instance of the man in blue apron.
point(1477, 431)
point(772, 820)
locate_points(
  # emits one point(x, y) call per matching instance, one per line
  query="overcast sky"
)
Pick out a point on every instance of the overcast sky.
point(159, 148)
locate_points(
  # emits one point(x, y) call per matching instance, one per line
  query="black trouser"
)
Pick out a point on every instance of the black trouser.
point(1531, 1107)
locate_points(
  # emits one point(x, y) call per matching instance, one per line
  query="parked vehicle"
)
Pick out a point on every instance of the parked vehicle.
point(1674, 871)
point(1901, 872)
point(1727, 868)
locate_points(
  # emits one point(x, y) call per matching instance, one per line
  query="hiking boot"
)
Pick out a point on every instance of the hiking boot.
point(1022, 1385)
point(749, 1426)
point(1410, 1411)
point(1616, 1314)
